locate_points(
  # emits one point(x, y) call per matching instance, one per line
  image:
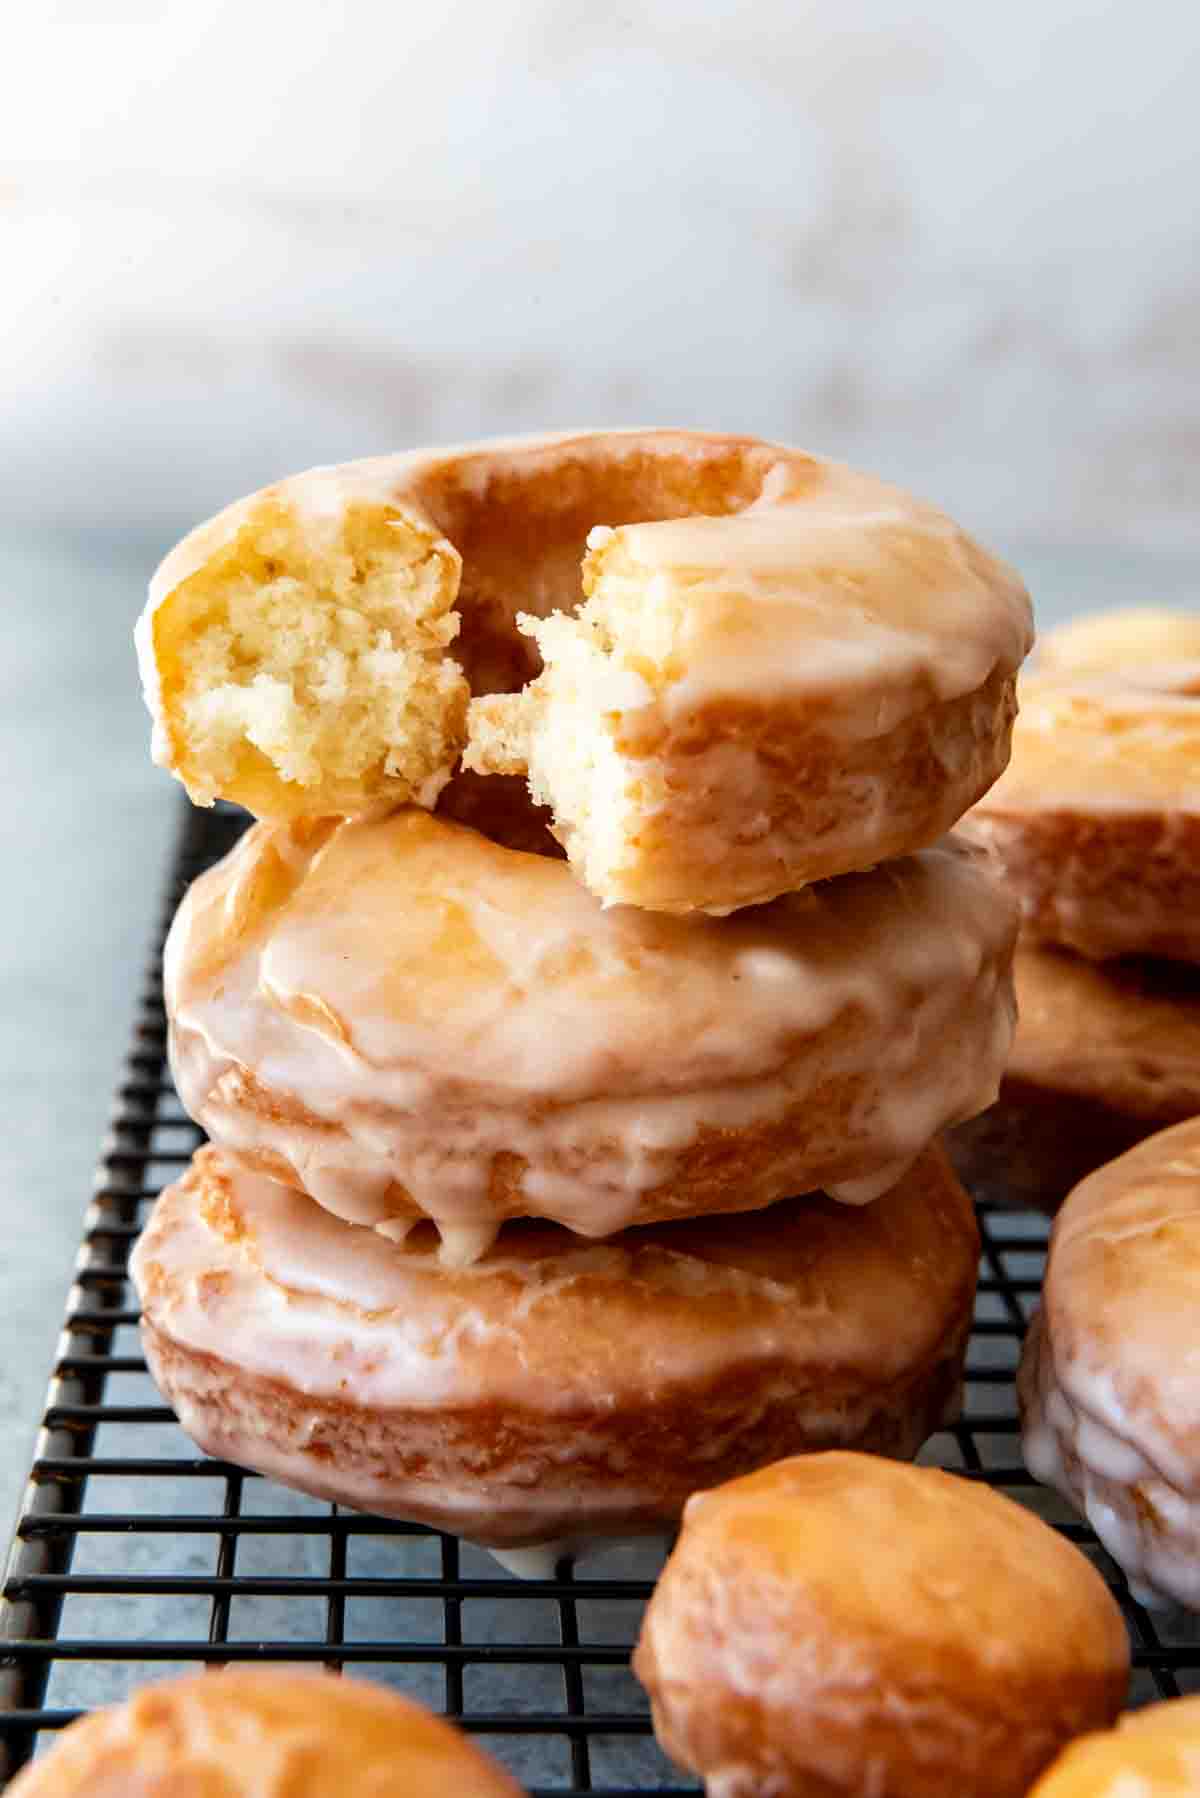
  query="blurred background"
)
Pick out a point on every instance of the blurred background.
point(956, 243)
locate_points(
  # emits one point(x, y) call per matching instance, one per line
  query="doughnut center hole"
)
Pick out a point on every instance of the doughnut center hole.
point(500, 807)
point(521, 523)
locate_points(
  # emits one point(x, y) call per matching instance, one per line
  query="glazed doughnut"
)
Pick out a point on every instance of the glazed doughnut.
point(1111, 642)
point(747, 703)
point(260, 1733)
point(559, 1389)
point(1105, 1054)
point(1109, 1399)
point(842, 1625)
point(783, 671)
point(1096, 823)
point(1153, 1753)
point(404, 1019)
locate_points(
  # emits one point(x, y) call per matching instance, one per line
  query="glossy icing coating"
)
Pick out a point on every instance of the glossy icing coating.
point(785, 552)
point(757, 696)
point(1110, 1378)
point(329, 1307)
point(413, 1021)
point(787, 670)
point(1105, 743)
point(1152, 1753)
point(263, 1732)
point(558, 1387)
point(1095, 824)
point(832, 584)
point(843, 1624)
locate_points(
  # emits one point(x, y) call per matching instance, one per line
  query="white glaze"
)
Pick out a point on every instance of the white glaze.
point(750, 701)
point(861, 582)
point(245, 1282)
point(832, 584)
point(1155, 1537)
point(830, 597)
point(1110, 1375)
point(279, 1286)
point(1104, 744)
point(433, 1002)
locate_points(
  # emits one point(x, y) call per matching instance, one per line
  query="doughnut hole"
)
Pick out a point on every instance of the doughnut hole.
point(303, 666)
point(293, 664)
point(612, 656)
point(500, 807)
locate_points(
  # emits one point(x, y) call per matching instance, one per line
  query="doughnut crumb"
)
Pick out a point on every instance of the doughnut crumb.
point(609, 658)
point(778, 672)
point(309, 668)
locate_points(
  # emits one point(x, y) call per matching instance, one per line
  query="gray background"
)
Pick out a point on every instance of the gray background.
point(237, 239)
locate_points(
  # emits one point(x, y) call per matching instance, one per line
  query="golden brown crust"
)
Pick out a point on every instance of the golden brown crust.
point(572, 1387)
point(515, 512)
point(413, 1469)
point(722, 1172)
point(519, 514)
point(813, 784)
point(1152, 1753)
point(837, 1625)
point(749, 785)
point(264, 1733)
point(1111, 884)
point(1096, 822)
point(503, 526)
point(404, 1019)
point(1103, 1055)
point(1110, 1414)
point(744, 706)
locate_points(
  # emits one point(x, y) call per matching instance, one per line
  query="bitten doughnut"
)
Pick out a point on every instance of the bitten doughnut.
point(783, 671)
point(558, 1389)
point(1096, 823)
point(844, 1625)
point(1111, 642)
point(1105, 1054)
point(405, 1019)
point(750, 702)
point(1153, 1753)
point(252, 1732)
point(1109, 1397)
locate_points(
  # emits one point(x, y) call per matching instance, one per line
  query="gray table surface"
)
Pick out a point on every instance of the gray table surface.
point(85, 829)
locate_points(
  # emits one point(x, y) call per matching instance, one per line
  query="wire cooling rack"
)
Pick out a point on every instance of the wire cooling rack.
point(134, 1557)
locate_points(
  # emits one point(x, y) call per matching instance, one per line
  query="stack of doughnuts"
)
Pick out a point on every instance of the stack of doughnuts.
point(1095, 827)
point(574, 1027)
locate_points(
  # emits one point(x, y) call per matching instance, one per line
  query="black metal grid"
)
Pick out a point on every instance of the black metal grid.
point(134, 1557)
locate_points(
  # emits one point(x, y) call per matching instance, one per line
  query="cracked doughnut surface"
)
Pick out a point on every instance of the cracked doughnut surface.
point(558, 1388)
point(758, 669)
point(405, 1019)
point(843, 1625)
